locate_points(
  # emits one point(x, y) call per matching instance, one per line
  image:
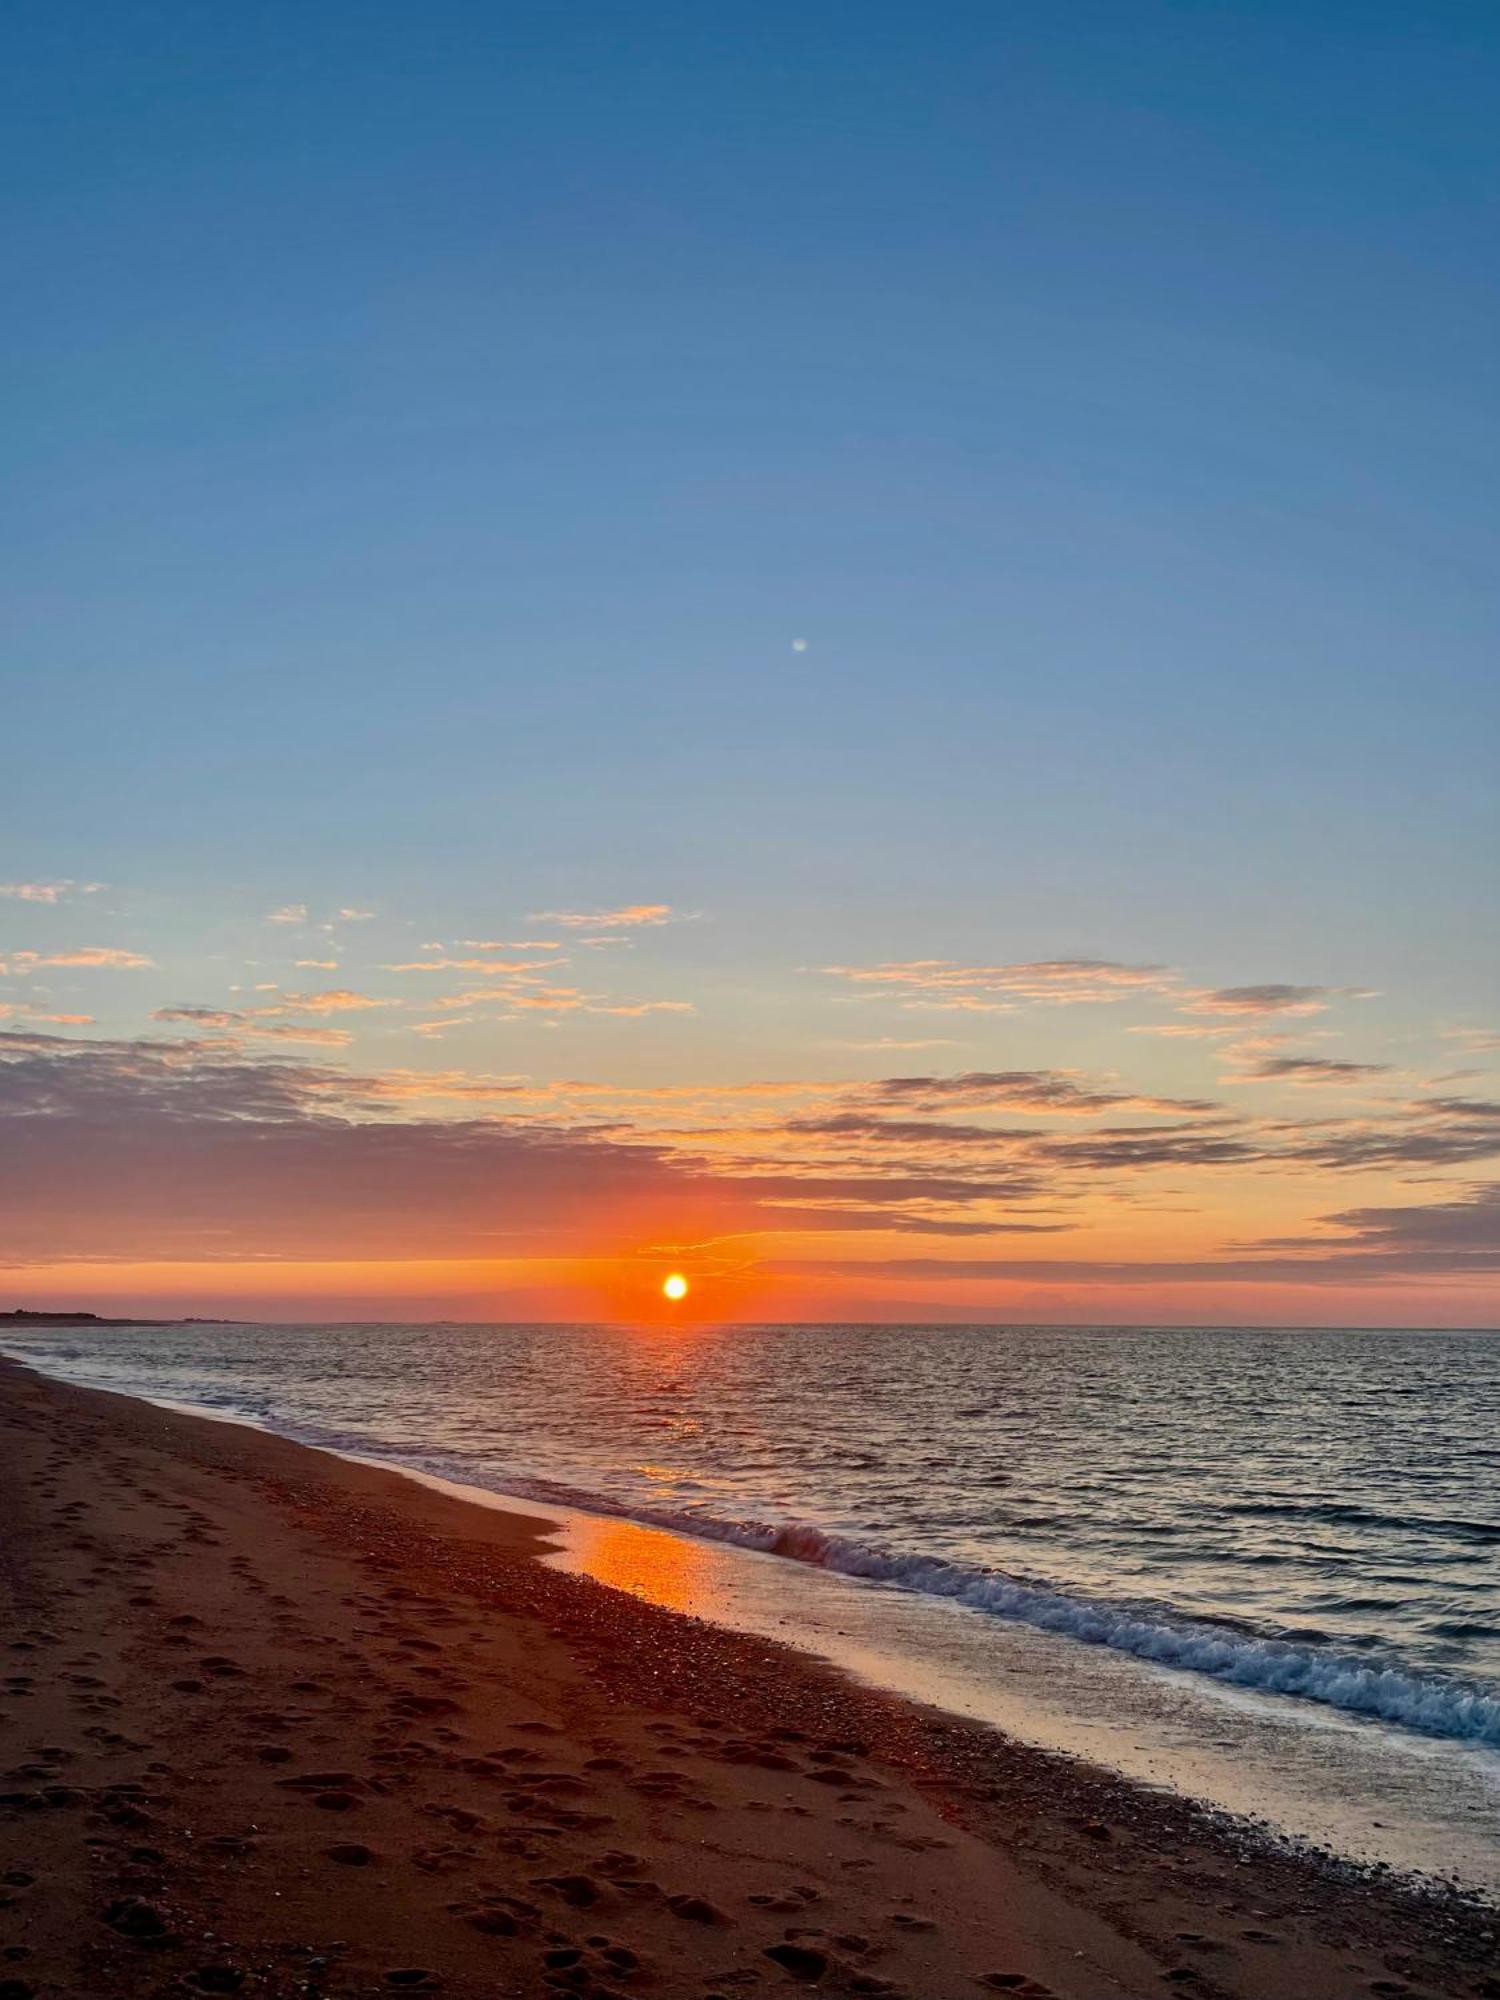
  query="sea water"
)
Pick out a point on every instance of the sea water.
point(1207, 1555)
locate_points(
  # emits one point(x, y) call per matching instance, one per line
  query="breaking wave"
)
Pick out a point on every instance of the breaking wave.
point(1425, 1703)
point(1386, 1692)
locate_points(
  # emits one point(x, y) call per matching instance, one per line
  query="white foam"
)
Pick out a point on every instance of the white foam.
point(1386, 1693)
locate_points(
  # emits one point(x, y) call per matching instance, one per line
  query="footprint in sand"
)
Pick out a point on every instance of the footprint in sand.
point(579, 1892)
point(804, 1962)
point(697, 1910)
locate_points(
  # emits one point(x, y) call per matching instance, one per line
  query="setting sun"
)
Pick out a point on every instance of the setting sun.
point(675, 1287)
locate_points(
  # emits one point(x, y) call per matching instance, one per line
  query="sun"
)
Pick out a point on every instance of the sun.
point(676, 1286)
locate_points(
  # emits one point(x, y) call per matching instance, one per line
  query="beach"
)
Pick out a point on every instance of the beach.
point(276, 1723)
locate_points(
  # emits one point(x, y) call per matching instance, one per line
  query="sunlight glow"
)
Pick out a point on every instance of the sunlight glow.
point(676, 1286)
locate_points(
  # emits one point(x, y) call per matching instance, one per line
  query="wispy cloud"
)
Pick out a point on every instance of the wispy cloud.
point(108, 958)
point(1460, 1233)
point(1054, 982)
point(894, 1042)
point(492, 968)
point(506, 944)
point(1271, 997)
point(254, 1021)
point(292, 1031)
point(209, 1145)
point(48, 892)
point(337, 1000)
point(1021, 1090)
point(17, 1010)
point(634, 1008)
point(629, 916)
point(1477, 1041)
point(1312, 1070)
point(289, 913)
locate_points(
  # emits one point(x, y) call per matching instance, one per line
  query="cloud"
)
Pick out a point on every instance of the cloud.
point(898, 1131)
point(48, 892)
point(1183, 1031)
point(11, 1010)
point(316, 964)
point(109, 958)
point(1458, 1238)
point(522, 989)
point(211, 1146)
point(632, 916)
point(1478, 1041)
point(634, 1008)
point(289, 913)
point(504, 944)
point(1459, 1231)
point(354, 916)
point(1272, 997)
point(194, 1149)
point(291, 1031)
point(337, 1000)
point(894, 1042)
point(1054, 982)
point(251, 1021)
point(1312, 1070)
point(491, 968)
point(1021, 1090)
point(1436, 1132)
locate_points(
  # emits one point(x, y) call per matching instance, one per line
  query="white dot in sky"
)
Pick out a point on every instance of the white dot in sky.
point(799, 645)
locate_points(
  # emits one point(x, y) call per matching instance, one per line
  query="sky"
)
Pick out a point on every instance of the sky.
point(846, 648)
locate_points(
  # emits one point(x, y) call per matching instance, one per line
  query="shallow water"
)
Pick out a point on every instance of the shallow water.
point(1304, 1521)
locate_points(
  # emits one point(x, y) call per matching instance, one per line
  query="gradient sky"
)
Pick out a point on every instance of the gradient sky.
point(849, 646)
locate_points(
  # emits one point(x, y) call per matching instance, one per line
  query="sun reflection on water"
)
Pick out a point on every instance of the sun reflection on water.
point(664, 1569)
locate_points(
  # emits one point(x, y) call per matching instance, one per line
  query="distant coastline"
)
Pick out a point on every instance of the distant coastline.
point(25, 1316)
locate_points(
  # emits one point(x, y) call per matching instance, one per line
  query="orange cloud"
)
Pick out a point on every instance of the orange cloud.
point(1055, 982)
point(632, 916)
point(110, 958)
point(337, 1000)
point(1271, 997)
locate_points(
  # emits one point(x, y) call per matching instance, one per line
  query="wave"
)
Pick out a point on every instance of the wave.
point(1432, 1706)
point(1345, 1513)
point(1390, 1694)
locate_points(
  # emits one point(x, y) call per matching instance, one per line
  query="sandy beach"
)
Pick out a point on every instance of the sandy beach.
point(277, 1724)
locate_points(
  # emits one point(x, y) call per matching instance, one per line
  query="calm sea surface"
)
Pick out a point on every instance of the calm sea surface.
point(1314, 1514)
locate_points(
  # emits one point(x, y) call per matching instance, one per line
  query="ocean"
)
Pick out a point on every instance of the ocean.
point(1304, 1519)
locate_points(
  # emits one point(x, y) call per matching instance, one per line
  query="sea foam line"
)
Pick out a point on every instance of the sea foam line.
point(1387, 1694)
point(1274, 1666)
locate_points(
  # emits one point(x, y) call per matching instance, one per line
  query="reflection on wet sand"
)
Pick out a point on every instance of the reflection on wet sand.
point(664, 1569)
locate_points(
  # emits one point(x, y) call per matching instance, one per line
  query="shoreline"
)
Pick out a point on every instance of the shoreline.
point(1040, 1874)
point(1328, 1780)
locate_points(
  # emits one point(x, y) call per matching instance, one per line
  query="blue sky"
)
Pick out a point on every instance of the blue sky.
point(431, 429)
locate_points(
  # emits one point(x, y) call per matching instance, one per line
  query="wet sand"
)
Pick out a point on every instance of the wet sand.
point(276, 1724)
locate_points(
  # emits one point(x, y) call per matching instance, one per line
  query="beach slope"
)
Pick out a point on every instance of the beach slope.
point(276, 1724)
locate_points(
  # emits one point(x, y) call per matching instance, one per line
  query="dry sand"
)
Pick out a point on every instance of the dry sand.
point(274, 1724)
